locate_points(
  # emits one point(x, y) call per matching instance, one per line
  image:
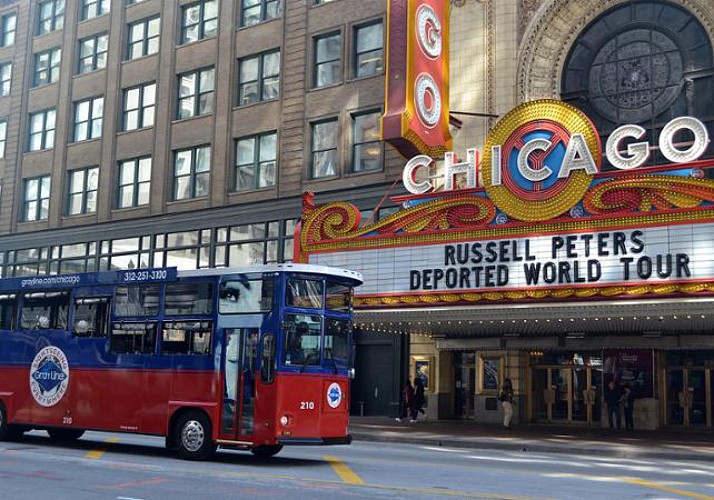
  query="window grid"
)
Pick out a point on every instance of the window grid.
point(83, 186)
point(259, 78)
point(192, 170)
point(195, 96)
point(369, 53)
point(328, 60)
point(51, 16)
point(139, 107)
point(199, 20)
point(367, 149)
point(93, 53)
point(134, 182)
point(47, 66)
point(8, 28)
point(94, 8)
point(88, 117)
point(3, 137)
point(256, 161)
point(144, 37)
point(258, 11)
point(36, 204)
point(5, 78)
point(324, 149)
point(42, 130)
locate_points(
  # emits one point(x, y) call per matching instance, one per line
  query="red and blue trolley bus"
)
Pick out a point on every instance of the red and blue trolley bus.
point(247, 358)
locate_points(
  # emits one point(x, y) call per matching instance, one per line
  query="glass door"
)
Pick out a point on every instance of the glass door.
point(239, 365)
point(696, 386)
point(465, 384)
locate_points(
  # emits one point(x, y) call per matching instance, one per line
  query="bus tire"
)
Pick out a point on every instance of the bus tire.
point(266, 451)
point(64, 434)
point(194, 436)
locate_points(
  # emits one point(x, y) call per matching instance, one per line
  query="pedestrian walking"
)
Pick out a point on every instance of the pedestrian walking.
point(419, 400)
point(407, 403)
point(613, 395)
point(506, 399)
point(628, 403)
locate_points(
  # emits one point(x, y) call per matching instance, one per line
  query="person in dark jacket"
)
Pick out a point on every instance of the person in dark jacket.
point(407, 402)
point(505, 396)
point(419, 400)
point(628, 401)
point(613, 395)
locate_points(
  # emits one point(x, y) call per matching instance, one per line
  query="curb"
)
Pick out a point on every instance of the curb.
point(449, 442)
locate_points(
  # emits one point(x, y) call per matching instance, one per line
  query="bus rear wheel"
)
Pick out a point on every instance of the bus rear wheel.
point(65, 434)
point(194, 434)
point(266, 451)
point(8, 432)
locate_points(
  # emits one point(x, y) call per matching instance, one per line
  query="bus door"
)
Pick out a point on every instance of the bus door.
point(239, 368)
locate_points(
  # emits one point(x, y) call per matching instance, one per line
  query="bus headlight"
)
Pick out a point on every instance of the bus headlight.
point(286, 420)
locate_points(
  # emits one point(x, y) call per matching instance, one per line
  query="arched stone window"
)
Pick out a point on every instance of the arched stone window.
point(642, 62)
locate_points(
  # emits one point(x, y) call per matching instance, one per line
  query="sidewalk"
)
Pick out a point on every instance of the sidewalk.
point(684, 444)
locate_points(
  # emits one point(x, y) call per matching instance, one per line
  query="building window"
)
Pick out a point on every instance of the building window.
point(328, 60)
point(51, 16)
point(257, 11)
point(3, 137)
point(88, 117)
point(5, 78)
point(83, 185)
point(8, 27)
point(134, 182)
point(192, 170)
point(369, 54)
point(251, 244)
point(144, 37)
point(196, 93)
point(633, 72)
point(132, 2)
point(324, 149)
point(139, 106)
point(93, 53)
point(259, 78)
point(367, 149)
point(320, 2)
point(36, 204)
point(42, 130)
point(199, 20)
point(47, 67)
point(94, 8)
point(256, 161)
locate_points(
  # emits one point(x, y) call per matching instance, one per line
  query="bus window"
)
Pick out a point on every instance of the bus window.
point(45, 310)
point(337, 339)
point(186, 337)
point(133, 338)
point(304, 293)
point(302, 339)
point(246, 295)
point(183, 299)
point(339, 297)
point(137, 300)
point(90, 317)
point(8, 311)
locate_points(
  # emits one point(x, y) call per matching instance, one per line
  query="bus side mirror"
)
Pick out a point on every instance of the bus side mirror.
point(267, 359)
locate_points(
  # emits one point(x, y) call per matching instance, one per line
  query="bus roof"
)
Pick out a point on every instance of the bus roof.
point(267, 268)
point(153, 275)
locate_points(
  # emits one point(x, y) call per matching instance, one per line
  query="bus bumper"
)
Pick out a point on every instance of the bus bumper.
point(305, 441)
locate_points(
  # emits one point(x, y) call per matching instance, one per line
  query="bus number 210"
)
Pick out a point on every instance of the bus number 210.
point(307, 405)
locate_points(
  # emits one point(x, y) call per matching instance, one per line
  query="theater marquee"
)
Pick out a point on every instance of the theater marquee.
point(538, 218)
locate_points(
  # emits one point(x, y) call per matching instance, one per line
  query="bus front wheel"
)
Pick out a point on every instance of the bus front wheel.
point(194, 435)
point(266, 451)
point(65, 434)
